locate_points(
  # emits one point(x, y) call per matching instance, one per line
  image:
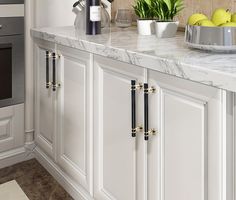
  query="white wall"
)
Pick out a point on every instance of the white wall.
point(54, 13)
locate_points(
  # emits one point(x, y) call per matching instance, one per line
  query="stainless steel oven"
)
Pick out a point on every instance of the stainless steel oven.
point(12, 61)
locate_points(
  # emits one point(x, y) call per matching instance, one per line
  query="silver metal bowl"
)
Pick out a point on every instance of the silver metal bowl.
point(218, 39)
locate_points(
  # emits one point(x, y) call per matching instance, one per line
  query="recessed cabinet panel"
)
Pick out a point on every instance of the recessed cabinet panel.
point(46, 103)
point(184, 140)
point(5, 128)
point(11, 127)
point(74, 113)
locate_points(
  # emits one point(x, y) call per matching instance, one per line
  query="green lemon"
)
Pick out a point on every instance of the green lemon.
point(193, 19)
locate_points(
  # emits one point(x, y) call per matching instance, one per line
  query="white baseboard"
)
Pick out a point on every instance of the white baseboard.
point(78, 193)
point(15, 156)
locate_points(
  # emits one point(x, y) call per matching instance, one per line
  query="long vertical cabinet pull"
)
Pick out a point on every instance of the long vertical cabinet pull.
point(54, 72)
point(146, 128)
point(48, 83)
point(134, 129)
point(55, 85)
point(133, 108)
point(147, 132)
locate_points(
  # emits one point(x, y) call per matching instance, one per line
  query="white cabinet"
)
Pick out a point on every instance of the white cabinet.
point(11, 127)
point(63, 116)
point(182, 161)
point(73, 118)
point(184, 157)
point(85, 127)
point(118, 164)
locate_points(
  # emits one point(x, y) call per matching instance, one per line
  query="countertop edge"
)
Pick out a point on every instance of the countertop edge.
point(175, 68)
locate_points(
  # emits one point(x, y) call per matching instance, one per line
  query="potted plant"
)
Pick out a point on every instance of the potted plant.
point(145, 22)
point(165, 11)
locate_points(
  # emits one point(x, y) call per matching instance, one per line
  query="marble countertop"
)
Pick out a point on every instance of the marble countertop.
point(170, 56)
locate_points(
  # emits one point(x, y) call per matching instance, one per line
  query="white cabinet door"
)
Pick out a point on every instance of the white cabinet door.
point(185, 155)
point(118, 163)
point(11, 127)
point(73, 116)
point(45, 106)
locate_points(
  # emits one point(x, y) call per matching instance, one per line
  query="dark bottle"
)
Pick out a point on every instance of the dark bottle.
point(93, 17)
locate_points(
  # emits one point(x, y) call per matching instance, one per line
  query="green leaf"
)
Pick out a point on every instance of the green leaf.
point(168, 4)
point(143, 9)
point(148, 2)
point(166, 9)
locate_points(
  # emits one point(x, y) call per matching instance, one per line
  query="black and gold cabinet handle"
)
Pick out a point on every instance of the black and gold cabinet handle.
point(55, 85)
point(134, 128)
point(48, 83)
point(147, 131)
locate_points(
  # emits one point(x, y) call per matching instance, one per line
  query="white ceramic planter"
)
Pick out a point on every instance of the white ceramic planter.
point(146, 27)
point(166, 29)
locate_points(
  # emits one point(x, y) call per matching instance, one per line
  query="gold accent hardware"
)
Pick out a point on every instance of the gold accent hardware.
point(56, 86)
point(137, 129)
point(139, 86)
point(49, 84)
point(50, 55)
point(57, 56)
point(150, 132)
point(150, 90)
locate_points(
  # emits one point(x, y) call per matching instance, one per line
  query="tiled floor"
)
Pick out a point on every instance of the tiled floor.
point(12, 191)
point(35, 181)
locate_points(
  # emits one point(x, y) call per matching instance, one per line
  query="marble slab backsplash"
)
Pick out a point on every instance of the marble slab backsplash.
point(191, 6)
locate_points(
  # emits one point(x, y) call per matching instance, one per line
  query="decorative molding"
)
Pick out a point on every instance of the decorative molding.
point(223, 148)
point(18, 155)
point(227, 145)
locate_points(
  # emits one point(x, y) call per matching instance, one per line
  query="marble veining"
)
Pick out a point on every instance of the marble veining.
point(170, 56)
